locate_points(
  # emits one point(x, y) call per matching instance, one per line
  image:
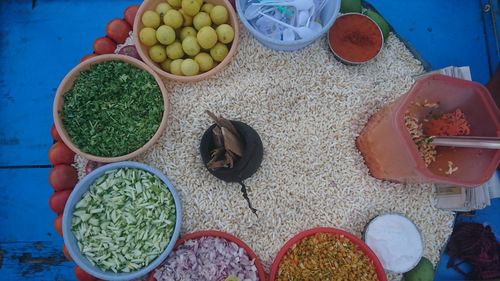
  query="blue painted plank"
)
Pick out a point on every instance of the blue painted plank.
point(37, 48)
point(30, 248)
point(25, 214)
point(41, 261)
point(443, 33)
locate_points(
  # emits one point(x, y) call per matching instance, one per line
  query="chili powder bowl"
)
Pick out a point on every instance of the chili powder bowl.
point(355, 38)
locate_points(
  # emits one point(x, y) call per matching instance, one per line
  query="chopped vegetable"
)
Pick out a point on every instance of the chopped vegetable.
point(112, 109)
point(209, 259)
point(326, 256)
point(125, 220)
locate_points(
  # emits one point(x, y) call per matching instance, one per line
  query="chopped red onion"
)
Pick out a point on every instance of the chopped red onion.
point(207, 259)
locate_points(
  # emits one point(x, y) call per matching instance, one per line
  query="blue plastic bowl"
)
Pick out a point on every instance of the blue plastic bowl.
point(328, 16)
point(69, 237)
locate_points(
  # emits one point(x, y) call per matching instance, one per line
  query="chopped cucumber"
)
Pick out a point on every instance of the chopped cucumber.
point(125, 220)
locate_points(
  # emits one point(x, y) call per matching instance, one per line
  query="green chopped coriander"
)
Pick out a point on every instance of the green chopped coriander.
point(112, 109)
point(125, 220)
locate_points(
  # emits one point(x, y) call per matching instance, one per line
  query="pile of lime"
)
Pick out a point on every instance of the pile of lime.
point(187, 37)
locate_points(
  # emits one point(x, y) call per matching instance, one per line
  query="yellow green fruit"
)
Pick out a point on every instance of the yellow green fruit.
point(205, 61)
point(225, 33)
point(151, 19)
point(187, 19)
point(219, 52)
point(207, 7)
point(191, 7)
point(173, 18)
point(175, 67)
point(232, 278)
point(174, 50)
point(219, 14)
point(175, 3)
point(207, 37)
point(165, 35)
point(190, 67)
point(190, 46)
point(424, 271)
point(187, 31)
point(162, 9)
point(380, 21)
point(201, 19)
point(157, 53)
point(147, 36)
point(166, 65)
point(350, 6)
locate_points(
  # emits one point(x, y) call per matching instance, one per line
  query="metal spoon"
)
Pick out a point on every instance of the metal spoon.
point(466, 141)
point(304, 32)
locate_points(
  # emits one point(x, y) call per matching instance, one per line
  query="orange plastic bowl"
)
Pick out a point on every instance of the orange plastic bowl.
point(215, 233)
point(66, 85)
point(143, 49)
point(358, 242)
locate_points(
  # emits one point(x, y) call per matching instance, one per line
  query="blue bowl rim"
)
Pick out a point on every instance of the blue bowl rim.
point(256, 33)
point(69, 238)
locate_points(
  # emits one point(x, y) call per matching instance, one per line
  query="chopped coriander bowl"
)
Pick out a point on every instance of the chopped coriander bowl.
point(121, 221)
point(111, 108)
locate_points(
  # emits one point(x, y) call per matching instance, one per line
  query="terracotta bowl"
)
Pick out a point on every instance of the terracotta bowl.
point(143, 49)
point(66, 85)
point(361, 246)
point(220, 234)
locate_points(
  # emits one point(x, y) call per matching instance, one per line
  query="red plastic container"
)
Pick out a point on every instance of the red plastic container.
point(214, 233)
point(391, 154)
point(379, 269)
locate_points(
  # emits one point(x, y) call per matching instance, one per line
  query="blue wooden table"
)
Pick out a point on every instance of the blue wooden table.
point(40, 41)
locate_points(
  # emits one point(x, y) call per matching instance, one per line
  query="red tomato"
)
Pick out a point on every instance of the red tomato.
point(86, 57)
point(54, 133)
point(58, 224)
point(82, 275)
point(66, 253)
point(118, 29)
point(63, 177)
point(59, 153)
point(104, 45)
point(58, 200)
point(130, 13)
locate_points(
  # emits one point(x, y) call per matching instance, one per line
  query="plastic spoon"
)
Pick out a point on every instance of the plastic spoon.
point(304, 32)
point(253, 11)
point(298, 4)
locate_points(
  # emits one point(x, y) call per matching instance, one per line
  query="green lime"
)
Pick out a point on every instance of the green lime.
point(190, 67)
point(350, 6)
point(219, 14)
point(232, 278)
point(381, 22)
point(175, 67)
point(424, 271)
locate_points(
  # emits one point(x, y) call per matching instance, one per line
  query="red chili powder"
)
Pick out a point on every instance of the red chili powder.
point(355, 38)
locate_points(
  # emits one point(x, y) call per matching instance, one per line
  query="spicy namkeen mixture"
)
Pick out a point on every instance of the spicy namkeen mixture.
point(435, 124)
point(325, 256)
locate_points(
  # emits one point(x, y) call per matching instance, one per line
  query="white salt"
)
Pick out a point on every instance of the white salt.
point(396, 241)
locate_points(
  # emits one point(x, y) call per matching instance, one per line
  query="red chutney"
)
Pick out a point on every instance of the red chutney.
point(355, 38)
